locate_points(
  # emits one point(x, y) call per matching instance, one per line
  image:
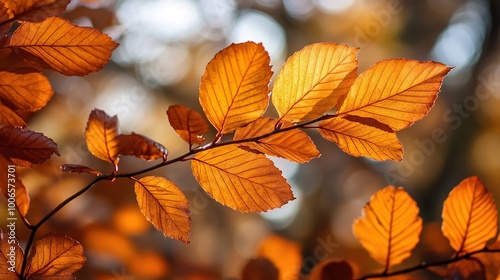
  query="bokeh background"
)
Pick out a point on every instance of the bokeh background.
point(164, 48)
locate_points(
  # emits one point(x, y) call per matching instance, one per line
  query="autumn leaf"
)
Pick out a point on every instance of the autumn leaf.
point(77, 168)
point(37, 10)
point(312, 80)
point(293, 144)
point(258, 269)
point(469, 216)
point(165, 206)
point(189, 124)
point(5, 12)
point(24, 89)
point(10, 118)
point(467, 269)
point(25, 147)
point(55, 256)
point(284, 254)
point(57, 44)
point(332, 269)
point(234, 88)
point(101, 136)
point(22, 197)
point(10, 258)
point(396, 92)
point(359, 136)
point(241, 180)
point(390, 226)
point(140, 146)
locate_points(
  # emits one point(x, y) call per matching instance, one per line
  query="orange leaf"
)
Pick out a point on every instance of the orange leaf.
point(312, 80)
point(293, 145)
point(140, 146)
point(12, 181)
point(469, 216)
point(234, 88)
point(25, 147)
point(467, 269)
point(362, 137)
point(55, 256)
point(11, 256)
point(258, 269)
point(10, 118)
point(189, 124)
point(37, 10)
point(57, 44)
point(5, 12)
point(242, 180)
point(165, 206)
point(284, 254)
point(390, 226)
point(24, 89)
point(396, 92)
point(77, 168)
point(332, 269)
point(101, 136)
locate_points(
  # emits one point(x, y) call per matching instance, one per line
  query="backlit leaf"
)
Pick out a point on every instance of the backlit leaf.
point(294, 145)
point(234, 88)
point(284, 254)
point(469, 216)
point(312, 80)
point(101, 136)
point(37, 10)
point(390, 226)
point(10, 118)
point(58, 44)
point(77, 168)
point(24, 89)
point(332, 269)
point(22, 197)
point(165, 206)
point(189, 124)
point(362, 137)
point(55, 257)
point(25, 147)
point(9, 258)
point(140, 146)
point(244, 181)
point(258, 269)
point(396, 92)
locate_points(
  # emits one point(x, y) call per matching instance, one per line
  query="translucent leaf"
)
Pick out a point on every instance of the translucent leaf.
point(24, 89)
point(10, 118)
point(258, 269)
point(469, 216)
point(312, 80)
point(25, 147)
point(77, 168)
point(332, 269)
point(37, 10)
point(58, 44)
point(234, 88)
point(101, 136)
point(140, 146)
point(244, 181)
point(55, 257)
point(189, 124)
point(22, 197)
point(165, 206)
point(362, 137)
point(390, 226)
point(284, 254)
point(293, 145)
point(396, 92)
point(10, 259)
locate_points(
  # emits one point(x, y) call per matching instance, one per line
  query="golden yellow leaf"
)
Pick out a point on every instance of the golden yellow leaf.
point(242, 180)
point(22, 197)
point(312, 80)
point(165, 206)
point(10, 259)
point(259, 269)
point(55, 256)
point(284, 254)
point(332, 269)
point(235, 86)
point(24, 89)
point(101, 135)
point(396, 92)
point(469, 216)
point(37, 10)
point(189, 124)
point(58, 44)
point(294, 145)
point(140, 146)
point(390, 226)
point(362, 137)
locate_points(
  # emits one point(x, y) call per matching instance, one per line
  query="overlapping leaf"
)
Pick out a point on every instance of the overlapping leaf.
point(469, 216)
point(390, 227)
point(24, 89)
point(293, 144)
point(22, 197)
point(234, 88)
point(242, 180)
point(101, 136)
point(362, 137)
point(25, 147)
point(396, 92)
point(189, 124)
point(36, 10)
point(312, 81)
point(5, 258)
point(165, 206)
point(57, 44)
point(140, 146)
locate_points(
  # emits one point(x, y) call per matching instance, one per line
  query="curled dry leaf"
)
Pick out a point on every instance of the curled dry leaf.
point(140, 146)
point(77, 168)
point(25, 147)
point(189, 124)
point(469, 216)
point(242, 180)
point(101, 135)
point(234, 88)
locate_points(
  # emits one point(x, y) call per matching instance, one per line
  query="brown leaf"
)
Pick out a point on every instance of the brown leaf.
point(57, 44)
point(101, 136)
point(293, 144)
point(10, 118)
point(22, 197)
point(259, 269)
point(37, 10)
point(140, 146)
point(5, 12)
point(24, 89)
point(55, 257)
point(77, 168)
point(242, 180)
point(25, 147)
point(467, 269)
point(189, 124)
point(10, 260)
point(165, 206)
